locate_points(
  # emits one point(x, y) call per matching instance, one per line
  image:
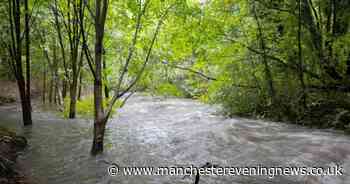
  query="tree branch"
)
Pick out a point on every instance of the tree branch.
point(85, 45)
point(192, 71)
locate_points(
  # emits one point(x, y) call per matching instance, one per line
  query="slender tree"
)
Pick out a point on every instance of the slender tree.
point(101, 115)
point(15, 49)
point(267, 70)
point(56, 14)
point(300, 57)
point(27, 52)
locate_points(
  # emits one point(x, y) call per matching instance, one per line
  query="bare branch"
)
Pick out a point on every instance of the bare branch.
point(117, 93)
point(132, 46)
point(274, 58)
point(192, 71)
point(85, 45)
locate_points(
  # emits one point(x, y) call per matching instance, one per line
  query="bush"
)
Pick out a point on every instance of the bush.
point(85, 106)
point(238, 101)
point(168, 89)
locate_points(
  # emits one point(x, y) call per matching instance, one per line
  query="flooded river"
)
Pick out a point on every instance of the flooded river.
point(154, 131)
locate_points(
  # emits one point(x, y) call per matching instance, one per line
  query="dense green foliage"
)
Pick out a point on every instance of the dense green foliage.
point(287, 60)
point(85, 107)
point(249, 51)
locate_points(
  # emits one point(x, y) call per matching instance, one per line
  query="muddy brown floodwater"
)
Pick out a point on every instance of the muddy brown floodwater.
point(154, 131)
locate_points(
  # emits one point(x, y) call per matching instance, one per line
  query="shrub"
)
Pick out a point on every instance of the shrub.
point(168, 89)
point(85, 106)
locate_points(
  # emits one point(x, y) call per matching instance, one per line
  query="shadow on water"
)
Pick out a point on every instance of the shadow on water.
point(152, 131)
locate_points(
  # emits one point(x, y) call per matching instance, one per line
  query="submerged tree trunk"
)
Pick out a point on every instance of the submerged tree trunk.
point(100, 120)
point(74, 84)
point(74, 34)
point(26, 109)
point(76, 77)
point(99, 132)
point(27, 43)
point(15, 25)
point(73, 99)
point(100, 115)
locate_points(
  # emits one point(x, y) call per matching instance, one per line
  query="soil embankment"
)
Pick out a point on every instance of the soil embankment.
point(8, 92)
point(10, 146)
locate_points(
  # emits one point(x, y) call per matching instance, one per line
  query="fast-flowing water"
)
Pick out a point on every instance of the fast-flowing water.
point(152, 131)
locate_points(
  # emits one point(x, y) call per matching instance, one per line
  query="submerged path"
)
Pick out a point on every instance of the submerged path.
point(152, 131)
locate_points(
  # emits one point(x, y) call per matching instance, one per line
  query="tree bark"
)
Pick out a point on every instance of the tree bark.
point(104, 64)
point(51, 89)
point(322, 47)
point(80, 85)
point(44, 84)
point(27, 43)
point(74, 34)
point(100, 120)
point(301, 64)
point(99, 132)
point(73, 98)
point(15, 21)
point(101, 116)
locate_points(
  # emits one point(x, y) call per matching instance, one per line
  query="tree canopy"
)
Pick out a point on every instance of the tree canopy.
point(285, 59)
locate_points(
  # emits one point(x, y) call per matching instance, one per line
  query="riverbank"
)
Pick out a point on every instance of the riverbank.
point(10, 146)
point(8, 93)
point(157, 131)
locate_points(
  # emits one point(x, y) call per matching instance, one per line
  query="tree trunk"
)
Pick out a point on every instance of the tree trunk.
point(64, 88)
point(321, 46)
point(99, 132)
point(44, 85)
point(106, 90)
point(73, 99)
point(63, 52)
point(301, 64)
point(74, 84)
point(58, 95)
point(26, 110)
point(80, 85)
point(55, 72)
point(100, 119)
point(27, 42)
point(15, 15)
point(99, 122)
point(50, 90)
point(55, 94)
